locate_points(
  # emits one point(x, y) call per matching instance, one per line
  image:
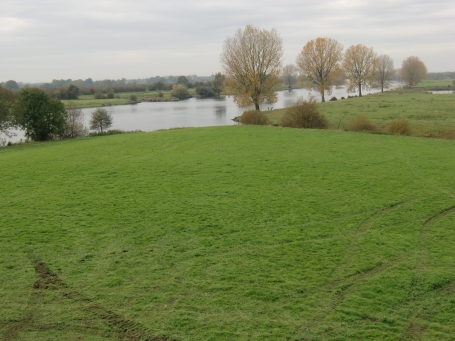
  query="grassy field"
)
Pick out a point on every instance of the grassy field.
point(88, 101)
point(441, 84)
point(228, 233)
point(431, 115)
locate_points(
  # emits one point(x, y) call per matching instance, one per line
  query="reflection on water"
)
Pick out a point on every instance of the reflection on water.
point(149, 116)
point(220, 112)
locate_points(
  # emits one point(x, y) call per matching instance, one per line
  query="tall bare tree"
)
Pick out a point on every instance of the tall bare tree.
point(251, 60)
point(289, 75)
point(74, 122)
point(359, 65)
point(413, 71)
point(385, 71)
point(319, 61)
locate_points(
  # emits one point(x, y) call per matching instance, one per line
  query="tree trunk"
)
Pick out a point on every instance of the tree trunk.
point(257, 106)
point(360, 89)
point(322, 96)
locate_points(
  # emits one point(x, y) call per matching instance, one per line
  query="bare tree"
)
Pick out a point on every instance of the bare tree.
point(319, 61)
point(251, 60)
point(413, 71)
point(100, 120)
point(385, 71)
point(289, 75)
point(359, 65)
point(74, 122)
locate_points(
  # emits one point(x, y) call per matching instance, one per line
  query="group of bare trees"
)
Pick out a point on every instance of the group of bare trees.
point(252, 61)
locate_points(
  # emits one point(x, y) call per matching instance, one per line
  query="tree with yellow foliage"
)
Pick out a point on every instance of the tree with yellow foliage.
point(413, 70)
point(319, 61)
point(359, 65)
point(252, 60)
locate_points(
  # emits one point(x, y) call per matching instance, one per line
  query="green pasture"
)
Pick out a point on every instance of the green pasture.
point(88, 101)
point(428, 114)
point(440, 84)
point(229, 233)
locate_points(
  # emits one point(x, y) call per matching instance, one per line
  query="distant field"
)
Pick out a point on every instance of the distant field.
point(229, 233)
point(441, 83)
point(88, 101)
point(428, 114)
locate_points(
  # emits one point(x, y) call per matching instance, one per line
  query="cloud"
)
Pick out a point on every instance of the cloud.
point(45, 39)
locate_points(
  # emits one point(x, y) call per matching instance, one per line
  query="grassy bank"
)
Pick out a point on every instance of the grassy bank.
point(88, 101)
point(428, 114)
point(440, 84)
point(228, 233)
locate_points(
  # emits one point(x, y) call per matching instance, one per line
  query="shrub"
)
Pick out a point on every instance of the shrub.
point(99, 96)
point(360, 123)
point(160, 94)
point(110, 95)
point(304, 114)
point(333, 99)
point(133, 98)
point(400, 127)
point(104, 133)
point(254, 117)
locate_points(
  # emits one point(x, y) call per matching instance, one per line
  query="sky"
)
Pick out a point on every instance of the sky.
point(41, 40)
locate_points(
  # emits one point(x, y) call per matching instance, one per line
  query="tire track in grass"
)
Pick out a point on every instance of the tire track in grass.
point(415, 330)
point(361, 230)
point(336, 289)
point(122, 328)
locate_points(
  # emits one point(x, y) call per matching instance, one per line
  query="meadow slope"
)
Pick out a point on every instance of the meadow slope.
point(228, 233)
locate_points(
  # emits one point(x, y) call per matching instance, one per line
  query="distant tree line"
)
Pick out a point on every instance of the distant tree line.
point(71, 89)
point(441, 75)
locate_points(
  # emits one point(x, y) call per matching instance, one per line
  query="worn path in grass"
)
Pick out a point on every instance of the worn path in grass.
point(228, 233)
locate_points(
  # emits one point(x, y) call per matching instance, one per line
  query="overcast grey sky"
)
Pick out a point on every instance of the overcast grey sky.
point(41, 40)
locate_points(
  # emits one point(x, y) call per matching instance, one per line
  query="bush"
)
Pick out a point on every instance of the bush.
point(254, 117)
point(133, 98)
point(205, 91)
point(99, 96)
point(304, 114)
point(180, 91)
point(160, 94)
point(333, 99)
point(400, 127)
point(110, 95)
point(360, 123)
point(104, 133)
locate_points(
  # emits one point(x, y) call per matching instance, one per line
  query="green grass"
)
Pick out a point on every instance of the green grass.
point(88, 101)
point(428, 114)
point(228, 233)
point(441, 84)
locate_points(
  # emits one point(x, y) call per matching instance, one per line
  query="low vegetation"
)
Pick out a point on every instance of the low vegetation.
point(360, 123)
point(428, 115)
point(254, 117)
point(304, 114)
point(400, 127)
point(228, 233)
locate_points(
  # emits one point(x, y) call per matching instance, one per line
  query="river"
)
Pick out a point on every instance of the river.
point(149, 116)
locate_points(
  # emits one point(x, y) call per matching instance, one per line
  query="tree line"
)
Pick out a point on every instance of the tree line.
point(45, 118)
point(71, 90)
point(252, 62)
